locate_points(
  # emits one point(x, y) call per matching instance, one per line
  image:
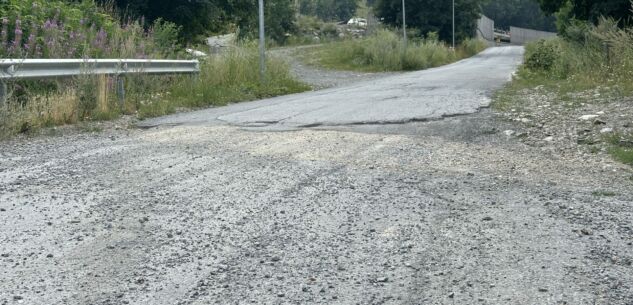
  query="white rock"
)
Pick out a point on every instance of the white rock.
point(600, 112)
point(606, 130)
point(588, 117)
point(196, 53)
point(509, 132)
point(524, 120)
point(549, 139)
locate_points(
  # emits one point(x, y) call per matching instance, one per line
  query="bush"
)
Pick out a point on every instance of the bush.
point(329, 30)
point(58, 29)
point(225, 78)
point(384, 51)
point(601, 56)
point(541, 56)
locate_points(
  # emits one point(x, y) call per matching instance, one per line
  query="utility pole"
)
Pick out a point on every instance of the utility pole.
point(404, 25)
point(453, 24)
point(262, 43)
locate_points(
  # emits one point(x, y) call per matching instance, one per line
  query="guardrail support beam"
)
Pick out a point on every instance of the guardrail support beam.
point(4, 93)
point(120, 90)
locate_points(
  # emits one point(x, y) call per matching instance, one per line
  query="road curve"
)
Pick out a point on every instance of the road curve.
point(459, 88)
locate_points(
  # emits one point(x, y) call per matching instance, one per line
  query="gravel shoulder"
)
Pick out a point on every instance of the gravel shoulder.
point(422, 213)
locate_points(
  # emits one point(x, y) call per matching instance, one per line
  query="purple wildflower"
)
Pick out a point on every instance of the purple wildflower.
point(30, 45)
point(18, 33)
point(4, 35)
point(100, 39)
point(49, 25)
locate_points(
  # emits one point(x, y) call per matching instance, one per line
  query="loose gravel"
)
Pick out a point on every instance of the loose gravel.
point(452, 211)
point(418, 214)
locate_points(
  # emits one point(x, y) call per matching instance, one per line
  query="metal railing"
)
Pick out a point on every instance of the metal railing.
point(18, 69)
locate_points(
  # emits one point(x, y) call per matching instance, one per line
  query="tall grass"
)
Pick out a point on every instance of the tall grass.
point(67, 29)
point(385, 51)
point(589, 59)
point(596, 56)
point(80, 29)
point(224, 78)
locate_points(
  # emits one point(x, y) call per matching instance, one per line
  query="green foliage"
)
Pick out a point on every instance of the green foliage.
point(201, 18)
point(603, 193)
point(541, 56)
point(624, 155)
point(520, 13)
point(165, 35)
point(384, 51)
point(433, 16)
point(588, 10)
point(226, 78)
point(330, 10)
point(55, 29)
point(621, 149)
point(329, 30)
point(195, 17)
point(602, 57)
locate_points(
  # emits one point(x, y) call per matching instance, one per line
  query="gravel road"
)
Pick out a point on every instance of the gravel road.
point(320, 78)
point(447, 211)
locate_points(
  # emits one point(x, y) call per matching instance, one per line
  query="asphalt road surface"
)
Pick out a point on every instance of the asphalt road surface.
point(460, 88)
point(201, 209)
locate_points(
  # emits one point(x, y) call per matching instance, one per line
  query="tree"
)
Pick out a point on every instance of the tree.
point(202, 17)
point(329, 9)
point(433, 16)
point(589, 10)
point(279, 17)
point(196, 17)
point(520, 13)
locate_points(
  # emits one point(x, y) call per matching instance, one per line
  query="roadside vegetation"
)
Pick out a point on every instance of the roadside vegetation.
point(589, 67)
point(385, 51)
point(57, 29)
point(225, 78)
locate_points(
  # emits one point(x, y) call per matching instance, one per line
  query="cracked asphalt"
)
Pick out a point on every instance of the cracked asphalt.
point(460, 88)
point(220, 207)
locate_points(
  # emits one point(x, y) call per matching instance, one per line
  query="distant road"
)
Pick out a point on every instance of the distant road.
point(459, 88)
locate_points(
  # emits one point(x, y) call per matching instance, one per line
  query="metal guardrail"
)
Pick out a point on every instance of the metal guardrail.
point(17, 69)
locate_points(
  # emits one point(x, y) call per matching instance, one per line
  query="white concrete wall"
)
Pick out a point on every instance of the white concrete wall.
point(486, 28)
point(523, 36)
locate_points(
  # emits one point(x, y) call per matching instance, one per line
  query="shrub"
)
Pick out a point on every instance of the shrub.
point(329, 30)
point(601, 56)
point(226, 78)
point(384, 51)
point(541, 56)
point(59, 29)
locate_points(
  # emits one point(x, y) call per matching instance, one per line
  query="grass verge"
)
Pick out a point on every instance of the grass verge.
point(621, 147)
point(591, 72)
point(385, 51)
point(226, 78)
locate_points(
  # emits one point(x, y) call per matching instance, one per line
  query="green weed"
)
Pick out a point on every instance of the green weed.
point(225, 78)
point(603, 193)
point(385, 51)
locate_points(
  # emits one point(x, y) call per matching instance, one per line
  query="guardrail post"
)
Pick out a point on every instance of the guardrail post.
point(4, 94)
point(120, 90)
